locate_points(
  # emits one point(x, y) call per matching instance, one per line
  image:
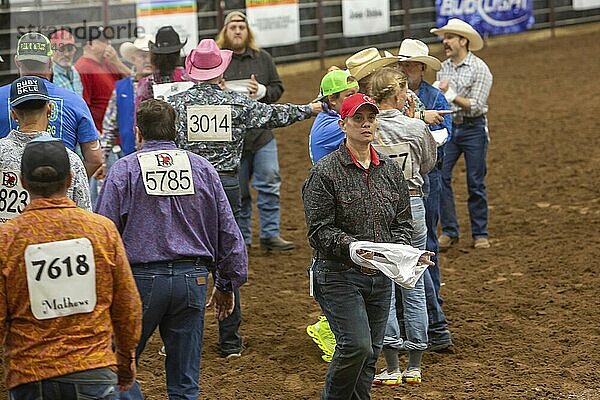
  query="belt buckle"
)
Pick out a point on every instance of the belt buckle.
point(368, 271)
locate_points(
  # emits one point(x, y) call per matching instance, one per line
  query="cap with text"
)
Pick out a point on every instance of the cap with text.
point(354, 102)
point(27, 88)
point(34, 46)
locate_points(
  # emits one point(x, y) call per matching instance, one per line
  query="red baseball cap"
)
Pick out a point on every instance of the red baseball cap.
point(353, 103)
point(61, 38)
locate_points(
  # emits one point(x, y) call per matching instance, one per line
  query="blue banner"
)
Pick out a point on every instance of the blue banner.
point(491, 17)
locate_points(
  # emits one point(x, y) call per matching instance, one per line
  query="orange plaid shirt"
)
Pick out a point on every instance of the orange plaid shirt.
point(40, 349)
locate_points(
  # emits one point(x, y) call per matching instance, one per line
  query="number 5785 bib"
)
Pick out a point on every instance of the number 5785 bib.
point(209, 123)
point(166, 173)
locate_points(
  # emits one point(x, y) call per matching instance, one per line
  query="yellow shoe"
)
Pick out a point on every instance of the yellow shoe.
point(321, 334)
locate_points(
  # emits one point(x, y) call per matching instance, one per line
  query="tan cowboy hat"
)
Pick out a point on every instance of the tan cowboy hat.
point(417, 51)
point(128, 49)
point(463, 29)
point(367, 61)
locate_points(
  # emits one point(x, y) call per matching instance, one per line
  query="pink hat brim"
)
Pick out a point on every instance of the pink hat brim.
point(208, 74)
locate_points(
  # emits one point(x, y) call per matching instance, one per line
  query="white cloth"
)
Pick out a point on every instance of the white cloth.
point(399, 262)
point(241, 86)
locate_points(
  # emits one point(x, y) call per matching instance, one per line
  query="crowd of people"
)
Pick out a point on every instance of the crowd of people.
point(90, 148)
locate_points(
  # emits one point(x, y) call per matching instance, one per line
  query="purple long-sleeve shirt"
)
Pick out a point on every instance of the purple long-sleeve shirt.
point(161, 228)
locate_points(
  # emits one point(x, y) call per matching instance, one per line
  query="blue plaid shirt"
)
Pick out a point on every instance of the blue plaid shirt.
point(67, 78)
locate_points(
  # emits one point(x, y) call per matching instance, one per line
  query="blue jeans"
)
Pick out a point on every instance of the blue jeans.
point(173, 299)
point(230, 340)
point(471, 139)
point(93, 384)
point(432, 216)
point(95, 184)
point(407, 320)
point(262, 167)
point(356, 306)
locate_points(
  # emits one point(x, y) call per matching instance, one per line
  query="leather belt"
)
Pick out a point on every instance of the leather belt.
point(356, 267)
point(205, 261)
point(460, 120)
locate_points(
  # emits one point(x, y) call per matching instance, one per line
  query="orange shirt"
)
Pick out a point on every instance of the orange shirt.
point(36, 349)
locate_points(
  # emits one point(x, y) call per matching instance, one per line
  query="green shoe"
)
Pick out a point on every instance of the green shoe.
point(321, 334)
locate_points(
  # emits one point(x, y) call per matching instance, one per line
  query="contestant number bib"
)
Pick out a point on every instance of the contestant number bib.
point(399, 152)
point(166, 173)
point(61, 278)
point(13, 198)
point(209, 123)
point(163, 91)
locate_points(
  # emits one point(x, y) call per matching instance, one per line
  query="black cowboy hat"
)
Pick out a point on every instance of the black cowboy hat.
point(167, 41)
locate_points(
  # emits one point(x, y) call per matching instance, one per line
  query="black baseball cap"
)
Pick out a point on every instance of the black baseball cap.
point(27, 88)
point(45, 151)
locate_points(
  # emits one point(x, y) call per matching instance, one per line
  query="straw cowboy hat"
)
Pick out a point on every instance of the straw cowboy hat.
point(417, 51)
point(207, 61)
point(367, 61)
point(463, 29)
point(128, 49)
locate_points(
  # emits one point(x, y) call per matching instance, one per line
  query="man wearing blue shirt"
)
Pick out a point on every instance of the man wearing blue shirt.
point(414, 59)
point(70, 120)
point(326, 134)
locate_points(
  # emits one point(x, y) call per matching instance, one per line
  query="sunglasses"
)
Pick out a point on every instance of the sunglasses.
point(66, 48)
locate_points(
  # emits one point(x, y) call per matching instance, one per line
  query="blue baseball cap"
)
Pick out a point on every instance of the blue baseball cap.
point(27, 88)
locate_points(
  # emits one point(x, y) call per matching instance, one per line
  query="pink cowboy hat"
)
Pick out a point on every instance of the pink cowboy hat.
point(207, 61)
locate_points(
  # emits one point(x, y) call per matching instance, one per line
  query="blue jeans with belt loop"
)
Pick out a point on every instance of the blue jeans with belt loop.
point(470, 138)
point(93, 384)
point(173, 299)
point(356, 306)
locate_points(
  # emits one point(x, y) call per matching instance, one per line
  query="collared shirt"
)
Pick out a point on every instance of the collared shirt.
point(38, 349)
point(70, 120)
point(344, 202)
point(261, 65)
point(394, 127)
point(325, 134)
point(165, 228)
point(67, 78)
point(245, 115)
point(418, 104)
point(145, 87)
point(11, 152)
point(434, 99)
point(471, 79)
point(110, 125)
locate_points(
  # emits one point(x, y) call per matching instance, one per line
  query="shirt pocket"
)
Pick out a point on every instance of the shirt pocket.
point(349, 207)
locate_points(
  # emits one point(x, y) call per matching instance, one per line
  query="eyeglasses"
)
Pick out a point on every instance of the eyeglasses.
point(65, 48)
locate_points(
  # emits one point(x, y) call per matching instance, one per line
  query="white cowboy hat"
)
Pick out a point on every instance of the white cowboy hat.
point(367, 61)
point(417, 51)
point(128, 49)
point(461, 28)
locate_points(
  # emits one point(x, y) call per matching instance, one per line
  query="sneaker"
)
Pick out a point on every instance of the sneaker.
point(481, 243)
point(388, 378)
point(445, 241)
point(321, 334)
point(276, 244)
point(412, 376)
point(233, 355)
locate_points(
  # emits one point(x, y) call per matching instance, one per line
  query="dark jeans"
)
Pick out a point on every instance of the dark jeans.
point(94, 384)
point(470, 139)
point(357, 308)
point(173, 299)
point(230, 340)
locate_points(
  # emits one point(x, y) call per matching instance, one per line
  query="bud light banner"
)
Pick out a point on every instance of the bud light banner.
point(491, 17)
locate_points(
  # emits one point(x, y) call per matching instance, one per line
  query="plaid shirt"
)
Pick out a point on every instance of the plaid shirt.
point(67, 78)
point(471, 79)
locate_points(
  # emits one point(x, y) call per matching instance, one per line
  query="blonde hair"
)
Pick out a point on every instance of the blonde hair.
point(224, 43)
point(385, 82)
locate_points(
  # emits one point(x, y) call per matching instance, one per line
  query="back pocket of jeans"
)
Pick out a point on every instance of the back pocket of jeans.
point(145, 283)
point(97, 392)
point(195, 283)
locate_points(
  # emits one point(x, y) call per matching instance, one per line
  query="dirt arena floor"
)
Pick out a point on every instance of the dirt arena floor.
point(524, 314)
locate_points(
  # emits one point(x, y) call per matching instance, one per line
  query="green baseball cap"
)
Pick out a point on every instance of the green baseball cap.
point(336, 81)
point(34, 46)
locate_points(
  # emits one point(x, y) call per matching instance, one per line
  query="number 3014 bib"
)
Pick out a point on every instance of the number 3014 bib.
point(209, 123)
point(13, 198)
point(61, 278)
point(166, 173)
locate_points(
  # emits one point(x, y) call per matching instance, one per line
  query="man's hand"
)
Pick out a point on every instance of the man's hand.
point(425, 259)
point(316, 108)
point(443, 85)
point(435, 117)
point(252, 86)
point(110, 54)
point(411, 107)
point(125, 370)
point(223, 302)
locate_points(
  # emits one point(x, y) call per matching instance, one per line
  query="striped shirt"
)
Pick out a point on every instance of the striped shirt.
point(471, 79)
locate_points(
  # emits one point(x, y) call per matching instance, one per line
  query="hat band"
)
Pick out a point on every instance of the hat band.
point(210, 67)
